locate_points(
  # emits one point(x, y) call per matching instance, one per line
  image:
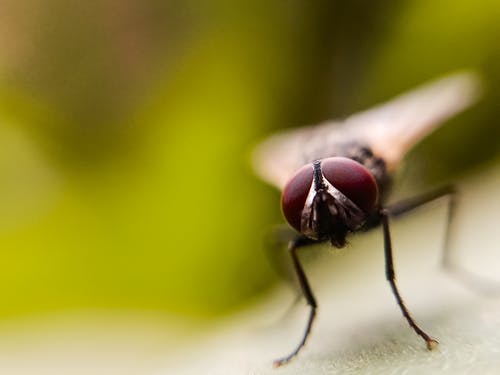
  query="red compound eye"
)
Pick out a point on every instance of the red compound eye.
point(353, 180)
point(348, 176)
point(295, 194)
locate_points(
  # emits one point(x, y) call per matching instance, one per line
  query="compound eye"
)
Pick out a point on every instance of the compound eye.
point(295, 195)
point(353, 180)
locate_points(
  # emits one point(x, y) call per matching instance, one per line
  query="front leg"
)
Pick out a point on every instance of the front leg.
point(293, 246)
point(391, 277)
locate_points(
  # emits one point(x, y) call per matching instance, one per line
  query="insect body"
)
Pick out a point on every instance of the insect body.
point(335, 176)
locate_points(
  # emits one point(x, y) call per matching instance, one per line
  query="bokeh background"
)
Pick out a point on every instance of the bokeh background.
point(126, 129)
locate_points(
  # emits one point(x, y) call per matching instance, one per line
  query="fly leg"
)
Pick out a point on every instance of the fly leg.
point(402, 207)
point(293, 246)
point(391, 277)
point(476, 282)
point(275, 245)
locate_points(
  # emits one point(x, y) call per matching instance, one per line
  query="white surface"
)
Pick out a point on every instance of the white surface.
point(359, 329)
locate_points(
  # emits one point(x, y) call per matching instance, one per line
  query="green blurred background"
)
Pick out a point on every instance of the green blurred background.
point(126, 128)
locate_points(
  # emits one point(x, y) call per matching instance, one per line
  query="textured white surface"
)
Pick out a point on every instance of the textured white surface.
point(359, 329)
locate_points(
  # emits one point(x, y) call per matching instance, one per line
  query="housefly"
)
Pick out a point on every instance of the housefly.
point(335, 176)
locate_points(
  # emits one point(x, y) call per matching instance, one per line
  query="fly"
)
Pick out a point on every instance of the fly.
point(335, 176)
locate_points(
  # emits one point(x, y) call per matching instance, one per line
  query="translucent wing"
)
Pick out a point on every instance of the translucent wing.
point(390, 129)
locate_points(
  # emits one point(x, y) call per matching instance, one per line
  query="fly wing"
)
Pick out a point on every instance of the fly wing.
point(390, 129)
